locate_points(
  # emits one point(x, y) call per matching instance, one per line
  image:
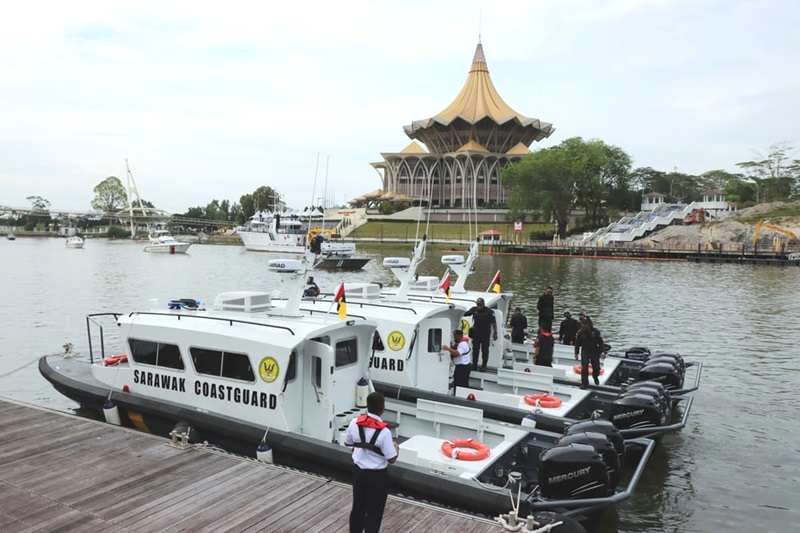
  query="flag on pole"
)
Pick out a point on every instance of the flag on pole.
point(496, 285)
point(341, 301)
point(444, 286)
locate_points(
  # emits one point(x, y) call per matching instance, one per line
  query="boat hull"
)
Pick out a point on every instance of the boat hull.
point(76, 383)
point(178, 248)
point(342, 263)
point(260, 242)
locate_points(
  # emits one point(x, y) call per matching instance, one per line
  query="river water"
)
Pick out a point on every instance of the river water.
point(735, 467)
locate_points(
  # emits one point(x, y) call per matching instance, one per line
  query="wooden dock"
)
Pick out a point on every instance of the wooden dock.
point(60, 472)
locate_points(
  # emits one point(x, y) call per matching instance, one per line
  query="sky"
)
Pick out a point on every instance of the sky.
point(213, 99)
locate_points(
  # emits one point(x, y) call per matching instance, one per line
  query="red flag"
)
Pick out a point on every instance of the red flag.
point(341, 301)
point(444, 286)
point(497, 283)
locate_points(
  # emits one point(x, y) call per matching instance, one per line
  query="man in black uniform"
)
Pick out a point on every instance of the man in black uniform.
point(518, 325)
point(567, 330)
point(545, 308)
point(373, 452)
point(589, 343)
point(482, 323)
point(543, 352)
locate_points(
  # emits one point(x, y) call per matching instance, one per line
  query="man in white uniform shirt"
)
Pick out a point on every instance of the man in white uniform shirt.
point(460, 352)
point(373, 451)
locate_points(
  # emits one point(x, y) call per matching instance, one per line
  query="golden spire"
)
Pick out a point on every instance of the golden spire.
point(478, 98)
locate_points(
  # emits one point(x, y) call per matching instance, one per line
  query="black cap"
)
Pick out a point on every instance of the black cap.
point(567, 315)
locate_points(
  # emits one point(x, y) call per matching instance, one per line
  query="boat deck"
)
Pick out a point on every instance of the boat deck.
point(66, 473)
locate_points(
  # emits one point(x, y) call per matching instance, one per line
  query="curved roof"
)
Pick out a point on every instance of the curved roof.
point(477, 100)
point(472, 146)
point(413, 148)
point(518, 149)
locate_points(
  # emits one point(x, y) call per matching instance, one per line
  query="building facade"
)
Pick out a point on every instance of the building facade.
point(456, 156)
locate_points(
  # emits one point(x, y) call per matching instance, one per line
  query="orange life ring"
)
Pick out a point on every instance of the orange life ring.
point(577, 369)
point(543, 400)
point(112, 360)
point(479, 451)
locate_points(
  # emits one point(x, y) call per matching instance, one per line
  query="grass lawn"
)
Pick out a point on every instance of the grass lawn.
point(439, 230)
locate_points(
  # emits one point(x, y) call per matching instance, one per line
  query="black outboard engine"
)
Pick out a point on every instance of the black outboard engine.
point(637, 353)
point(654, 389)
point(601, 426)
point(665, 372)
point(573, 471)
point(677, 358)
point(637, 409)
point(603, 446)
point(316, 244)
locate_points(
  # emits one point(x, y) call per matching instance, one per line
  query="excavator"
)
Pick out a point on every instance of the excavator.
point(778, 243)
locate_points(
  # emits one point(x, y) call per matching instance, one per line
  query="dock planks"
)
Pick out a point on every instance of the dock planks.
point(59, 472)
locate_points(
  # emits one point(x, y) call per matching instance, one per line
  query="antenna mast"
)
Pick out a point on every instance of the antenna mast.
point(133, 190)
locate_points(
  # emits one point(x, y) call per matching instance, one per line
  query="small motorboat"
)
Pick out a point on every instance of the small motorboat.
point(162, 242)
point(339, 256)
point(74, 242)
point(10, 236)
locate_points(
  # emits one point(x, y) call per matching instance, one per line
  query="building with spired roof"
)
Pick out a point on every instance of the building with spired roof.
point(456, 156)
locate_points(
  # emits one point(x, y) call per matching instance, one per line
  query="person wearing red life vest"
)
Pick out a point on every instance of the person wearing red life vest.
point(373, 452)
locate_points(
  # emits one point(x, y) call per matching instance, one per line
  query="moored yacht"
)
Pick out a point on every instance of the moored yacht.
point(254, 373)
point(160, 241)
point(283, 233)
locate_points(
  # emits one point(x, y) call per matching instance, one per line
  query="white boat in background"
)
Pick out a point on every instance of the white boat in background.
point(284, 233)
point(11, 237)
point(162, 242)
point(74, 242)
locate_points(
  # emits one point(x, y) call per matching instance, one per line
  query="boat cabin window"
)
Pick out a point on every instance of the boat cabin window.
point(435, 340)
point(222, 364)
point(346, 352)
point(316, 370)
point(377, 343)
point(156, 354)
point(324, 340)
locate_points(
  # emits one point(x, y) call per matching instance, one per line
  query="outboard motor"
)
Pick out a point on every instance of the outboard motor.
point(654, 389)
point(573, 471)
point(637, 353)
point(603, 446)
point(665, 372)
point(636, 409)
point(600, 426)
point(681, 364)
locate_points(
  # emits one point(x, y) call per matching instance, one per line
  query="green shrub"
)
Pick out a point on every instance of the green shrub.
point(116, 232)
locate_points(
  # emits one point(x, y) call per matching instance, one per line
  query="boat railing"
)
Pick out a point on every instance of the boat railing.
point(370, 304)
point(231, 321)
point(92, 319)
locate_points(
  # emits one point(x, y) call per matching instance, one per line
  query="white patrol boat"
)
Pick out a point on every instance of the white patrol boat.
point(408, 363)
point(161, 242)
point(249, 374)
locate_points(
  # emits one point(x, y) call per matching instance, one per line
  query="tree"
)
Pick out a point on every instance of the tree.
point(775, 175)
point(143, 203)
point(544, 180)
point(248, 205)
point(38, 203)
point(109, 195)
point(266, 197)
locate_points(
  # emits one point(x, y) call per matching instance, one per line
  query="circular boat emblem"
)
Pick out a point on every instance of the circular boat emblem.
point(396, 341)
point(268, 369)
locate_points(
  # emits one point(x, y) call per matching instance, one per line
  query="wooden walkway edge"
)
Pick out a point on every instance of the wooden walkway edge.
point(60, 472)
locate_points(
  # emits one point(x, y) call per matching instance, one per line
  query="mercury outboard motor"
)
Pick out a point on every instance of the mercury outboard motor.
point(603, 446)
point(573, 471)
point(601, 426)
point(637, 353)
point(654, 389)
point(665, 372)
point(677, 358)
point(636, 410)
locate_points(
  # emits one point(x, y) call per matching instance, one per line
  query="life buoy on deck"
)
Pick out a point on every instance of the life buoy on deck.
point(112, 360)
point(577, 369)
point(478, 450)
point(543, 400)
